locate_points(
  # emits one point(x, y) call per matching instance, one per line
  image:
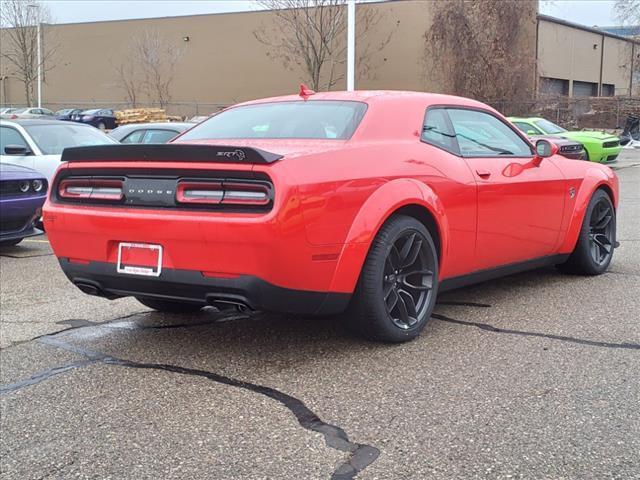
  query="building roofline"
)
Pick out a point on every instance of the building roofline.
point(171, 17)
point(595, 30)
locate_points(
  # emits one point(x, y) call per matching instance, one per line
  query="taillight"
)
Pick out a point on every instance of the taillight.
point(91, 189)
point(226, 193)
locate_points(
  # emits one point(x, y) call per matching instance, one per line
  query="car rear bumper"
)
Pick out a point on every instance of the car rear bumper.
point(102, 279)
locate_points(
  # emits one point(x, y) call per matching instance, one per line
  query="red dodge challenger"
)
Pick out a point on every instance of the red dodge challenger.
point(367, 202)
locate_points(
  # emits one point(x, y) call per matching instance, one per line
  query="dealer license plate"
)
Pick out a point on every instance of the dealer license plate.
point(140, 259)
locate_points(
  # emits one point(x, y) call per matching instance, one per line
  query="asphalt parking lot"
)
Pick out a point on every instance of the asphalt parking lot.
point(532, 376)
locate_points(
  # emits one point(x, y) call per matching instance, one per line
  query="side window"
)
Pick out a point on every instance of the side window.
point(526, 128)
point(134, 137)
point(159, 136)
point(437, 130)
point(480, 134)
point(10, 136)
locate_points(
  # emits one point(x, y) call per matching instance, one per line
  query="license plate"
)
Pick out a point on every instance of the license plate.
point(140, 259)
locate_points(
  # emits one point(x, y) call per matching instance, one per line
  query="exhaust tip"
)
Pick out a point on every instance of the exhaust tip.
point(89, 289)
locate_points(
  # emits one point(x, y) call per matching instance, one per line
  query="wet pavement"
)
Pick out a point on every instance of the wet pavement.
point(532, 376)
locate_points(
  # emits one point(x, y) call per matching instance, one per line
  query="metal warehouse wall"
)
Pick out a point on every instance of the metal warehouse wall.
point(224, 63)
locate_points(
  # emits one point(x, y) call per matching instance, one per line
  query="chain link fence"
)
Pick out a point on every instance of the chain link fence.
point(608, 113)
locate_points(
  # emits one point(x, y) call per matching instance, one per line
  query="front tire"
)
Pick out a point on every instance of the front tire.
point(594, 248)
point(168, 306)
point(397, 288)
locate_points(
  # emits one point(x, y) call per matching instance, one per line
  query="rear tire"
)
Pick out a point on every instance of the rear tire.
point(168, 306)
point(397, 288)
point(594, 248)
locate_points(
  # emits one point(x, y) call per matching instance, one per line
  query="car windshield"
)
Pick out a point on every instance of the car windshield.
point(65, 111)
point(549, 127)
point(53, 139)
point(320, 119)
point(91, 112)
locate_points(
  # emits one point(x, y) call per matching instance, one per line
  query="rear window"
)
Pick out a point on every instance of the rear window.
point(320, 119)
point(53, 139)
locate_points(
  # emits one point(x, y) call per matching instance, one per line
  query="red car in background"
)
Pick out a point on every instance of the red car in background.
point(370, 202)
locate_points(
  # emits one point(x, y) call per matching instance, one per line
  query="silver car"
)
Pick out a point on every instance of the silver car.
point(160, 132)
point(29, 112)
point(38, 144)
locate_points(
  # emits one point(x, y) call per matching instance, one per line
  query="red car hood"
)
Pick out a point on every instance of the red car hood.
point(291, 148)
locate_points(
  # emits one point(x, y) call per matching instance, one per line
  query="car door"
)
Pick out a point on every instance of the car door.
point(11, 136)
point(520, 202)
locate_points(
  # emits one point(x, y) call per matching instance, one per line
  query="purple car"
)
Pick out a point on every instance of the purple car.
point(22, 193)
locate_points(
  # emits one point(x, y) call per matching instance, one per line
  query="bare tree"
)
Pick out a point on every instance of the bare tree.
point(476, 49)
point(19, 35)
point(628, 11)
point(157, 60)
point(312, 34)
point(127, 76)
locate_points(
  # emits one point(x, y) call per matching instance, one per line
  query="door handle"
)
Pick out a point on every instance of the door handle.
point(483, 173)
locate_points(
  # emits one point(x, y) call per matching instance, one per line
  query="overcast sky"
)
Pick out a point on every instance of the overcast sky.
point(586, 12)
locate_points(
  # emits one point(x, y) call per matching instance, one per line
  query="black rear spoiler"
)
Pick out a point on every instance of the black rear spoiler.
point(174, 152)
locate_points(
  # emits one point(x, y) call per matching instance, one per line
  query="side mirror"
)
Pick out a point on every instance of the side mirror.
point(545, 149)
point(17, 150)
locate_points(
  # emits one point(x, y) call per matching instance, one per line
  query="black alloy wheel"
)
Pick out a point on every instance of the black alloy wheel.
point(597, 238)
point(398, 284)
point(408, 279)
point(601, 232)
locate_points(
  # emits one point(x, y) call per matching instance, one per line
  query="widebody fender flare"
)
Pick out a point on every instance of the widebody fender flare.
point(595, 178)
point(387, 199)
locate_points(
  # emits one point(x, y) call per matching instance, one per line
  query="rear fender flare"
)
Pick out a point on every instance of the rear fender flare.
point(376, 210)
point(594, 179)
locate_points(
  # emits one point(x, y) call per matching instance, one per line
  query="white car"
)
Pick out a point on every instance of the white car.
point(29, 112)
point(38, 143)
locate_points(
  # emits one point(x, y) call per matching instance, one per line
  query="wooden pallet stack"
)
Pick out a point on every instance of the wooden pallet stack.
point(141, 115)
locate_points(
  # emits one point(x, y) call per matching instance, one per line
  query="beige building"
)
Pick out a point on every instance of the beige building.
point(222, 61)
point(581, 61)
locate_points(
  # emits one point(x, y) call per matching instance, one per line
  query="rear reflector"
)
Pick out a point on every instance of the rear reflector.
point(91, 189)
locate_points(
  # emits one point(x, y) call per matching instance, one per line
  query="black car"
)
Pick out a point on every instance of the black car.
point(67, 113)
point(102, 118)
point(149, 132)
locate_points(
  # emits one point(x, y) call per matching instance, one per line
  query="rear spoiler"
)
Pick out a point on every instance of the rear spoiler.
point(174, 152)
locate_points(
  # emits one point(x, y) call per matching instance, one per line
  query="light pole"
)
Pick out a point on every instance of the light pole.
point(351, 44)
point(39, 48)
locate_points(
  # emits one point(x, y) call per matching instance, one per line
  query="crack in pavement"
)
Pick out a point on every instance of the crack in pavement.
point(361, 455)
point(491, 328)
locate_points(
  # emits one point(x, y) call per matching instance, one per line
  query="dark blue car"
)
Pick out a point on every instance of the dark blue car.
point(22, 194)
point(102, 118)
point(67, 114)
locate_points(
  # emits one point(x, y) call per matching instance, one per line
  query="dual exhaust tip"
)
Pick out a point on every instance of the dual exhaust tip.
point(222, 303)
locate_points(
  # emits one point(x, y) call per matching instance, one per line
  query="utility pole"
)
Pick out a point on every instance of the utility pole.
point(39, 49)
point(351, 44)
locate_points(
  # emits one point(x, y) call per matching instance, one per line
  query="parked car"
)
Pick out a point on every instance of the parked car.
point(38, 144)
point(67, 113)
point(600, 146)
point(7, 110)
point(567, 148)
point(104, 119)
point(631, 133)
point(369, 201)
point(22, 194)
point(29, 112)
point(149, 132)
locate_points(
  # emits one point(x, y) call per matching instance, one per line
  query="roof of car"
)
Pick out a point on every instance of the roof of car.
point(25, 122)
point(372, 96)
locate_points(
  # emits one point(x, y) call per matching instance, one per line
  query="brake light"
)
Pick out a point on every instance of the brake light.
point(226, 193)
point(91, 189)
